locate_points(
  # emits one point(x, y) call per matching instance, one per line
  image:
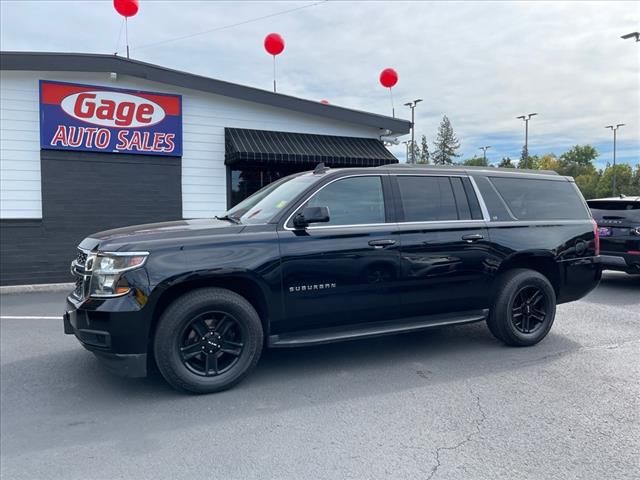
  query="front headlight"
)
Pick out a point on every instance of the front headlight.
point(107, 269)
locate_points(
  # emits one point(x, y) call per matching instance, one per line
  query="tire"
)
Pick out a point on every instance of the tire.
point(207, 341)
point(515, 316)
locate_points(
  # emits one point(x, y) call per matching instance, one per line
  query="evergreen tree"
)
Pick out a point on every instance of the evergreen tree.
point(524, 158)
point(424, 152)
point(445, 148)
point(506, 163)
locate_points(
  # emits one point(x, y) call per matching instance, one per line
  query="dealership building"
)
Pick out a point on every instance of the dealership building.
point(93, 142)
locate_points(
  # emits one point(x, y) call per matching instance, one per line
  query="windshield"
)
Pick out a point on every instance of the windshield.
point(263, 205)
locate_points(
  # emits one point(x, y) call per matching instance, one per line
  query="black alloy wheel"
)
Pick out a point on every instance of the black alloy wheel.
point(523, 308)
point(529, 309)
point(211, 343)
point(207, 340)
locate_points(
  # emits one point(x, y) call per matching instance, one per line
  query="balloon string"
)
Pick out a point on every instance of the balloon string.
point(393, 109)
point(119, 36)
point(274, 74)
point(126, 33)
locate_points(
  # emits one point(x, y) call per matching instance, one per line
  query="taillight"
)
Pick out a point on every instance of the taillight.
point(596, 234)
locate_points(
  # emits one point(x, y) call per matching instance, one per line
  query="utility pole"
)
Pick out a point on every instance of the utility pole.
point(526, 119)
point(614, 129)
point(484, 152)
point(412, 106)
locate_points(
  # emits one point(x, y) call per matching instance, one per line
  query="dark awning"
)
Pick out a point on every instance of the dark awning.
point(265, 147)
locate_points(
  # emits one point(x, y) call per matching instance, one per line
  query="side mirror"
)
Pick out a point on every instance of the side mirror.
point(311, 215)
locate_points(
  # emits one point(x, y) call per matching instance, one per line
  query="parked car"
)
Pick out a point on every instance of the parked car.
point(334, 255)
point(618, 221)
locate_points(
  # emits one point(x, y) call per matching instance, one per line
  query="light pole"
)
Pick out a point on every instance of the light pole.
point(484, 152)
point(635, 35)
point(406, 144)
point(526, 119)
point(412, 106)
point(614, 129)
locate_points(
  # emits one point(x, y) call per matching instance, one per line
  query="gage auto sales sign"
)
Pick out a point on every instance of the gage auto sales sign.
point(100, 119)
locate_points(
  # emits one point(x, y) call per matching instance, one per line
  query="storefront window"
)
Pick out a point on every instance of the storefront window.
point(246, 180)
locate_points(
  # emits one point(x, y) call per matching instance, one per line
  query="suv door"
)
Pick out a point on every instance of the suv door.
point(445, 248)
point(345, 271)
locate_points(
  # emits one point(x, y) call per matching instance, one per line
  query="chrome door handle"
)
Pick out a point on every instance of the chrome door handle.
point(474, 237)
point(382, 243)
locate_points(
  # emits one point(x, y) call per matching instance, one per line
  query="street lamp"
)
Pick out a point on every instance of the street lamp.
point(614, 129)
point(635, 35)
point(406, 143)
point(412, 106)
point(484, 152)
point(526, 119)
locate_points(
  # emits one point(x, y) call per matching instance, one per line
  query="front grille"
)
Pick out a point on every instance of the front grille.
point(81, 258)
point(82, 276)
point(78, 291)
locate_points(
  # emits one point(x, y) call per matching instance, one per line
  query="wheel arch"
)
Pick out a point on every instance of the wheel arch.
point(541, 262)
point(242, 283)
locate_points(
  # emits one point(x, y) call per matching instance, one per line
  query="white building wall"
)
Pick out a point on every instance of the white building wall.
point(204, 118)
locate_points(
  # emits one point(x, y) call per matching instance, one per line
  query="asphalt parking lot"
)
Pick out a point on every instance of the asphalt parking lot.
point(445, 404)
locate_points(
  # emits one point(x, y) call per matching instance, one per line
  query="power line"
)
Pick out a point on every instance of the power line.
point(224, 27)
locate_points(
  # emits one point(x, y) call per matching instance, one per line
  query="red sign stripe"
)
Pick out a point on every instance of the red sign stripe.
point(54, 93)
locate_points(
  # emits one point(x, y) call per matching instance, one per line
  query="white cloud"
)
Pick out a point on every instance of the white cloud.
point(481, 63)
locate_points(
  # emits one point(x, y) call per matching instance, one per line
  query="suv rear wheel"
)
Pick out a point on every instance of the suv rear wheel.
point(523, 309)
point(208, 340)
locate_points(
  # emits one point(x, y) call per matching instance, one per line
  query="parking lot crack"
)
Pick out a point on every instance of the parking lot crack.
point(477, 423)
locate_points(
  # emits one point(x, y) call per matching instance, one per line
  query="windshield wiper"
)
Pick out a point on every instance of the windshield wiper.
point(229, 219)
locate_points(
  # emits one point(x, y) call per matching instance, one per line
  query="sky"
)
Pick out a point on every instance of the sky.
point(480, 63)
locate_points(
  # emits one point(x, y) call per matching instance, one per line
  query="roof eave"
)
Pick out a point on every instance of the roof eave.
point(85, 62)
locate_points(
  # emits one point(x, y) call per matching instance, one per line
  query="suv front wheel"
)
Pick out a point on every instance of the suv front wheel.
point(208, 340)
point(524, 308)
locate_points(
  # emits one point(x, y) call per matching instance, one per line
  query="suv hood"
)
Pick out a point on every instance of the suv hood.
point(143, 237)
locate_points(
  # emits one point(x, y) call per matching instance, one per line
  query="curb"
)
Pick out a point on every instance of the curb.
point(44, 287)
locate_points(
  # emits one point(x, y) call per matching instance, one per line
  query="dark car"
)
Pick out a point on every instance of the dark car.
point(334, 255)
point(618, 221)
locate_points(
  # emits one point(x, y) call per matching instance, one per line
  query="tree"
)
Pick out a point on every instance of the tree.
point(506, 163)
point(624, 181)
point(476, 162)
point(414, 153)
point(445, 148)
point(424, 151)
point(588, 184)
point(578, 161)
point(548, 162)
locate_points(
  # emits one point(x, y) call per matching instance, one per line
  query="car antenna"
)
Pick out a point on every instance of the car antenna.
point(320, 168)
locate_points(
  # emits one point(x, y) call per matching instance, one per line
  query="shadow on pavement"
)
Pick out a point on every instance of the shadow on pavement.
point(69, 390)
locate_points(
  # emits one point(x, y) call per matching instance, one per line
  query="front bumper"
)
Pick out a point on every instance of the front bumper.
point(102, 334)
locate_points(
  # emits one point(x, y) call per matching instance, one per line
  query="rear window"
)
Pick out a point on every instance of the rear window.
point(613, 205)
point(619, 209)
point(539, 199)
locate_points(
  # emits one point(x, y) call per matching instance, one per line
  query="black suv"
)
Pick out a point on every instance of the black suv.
point(334, 255)
point(618, 220)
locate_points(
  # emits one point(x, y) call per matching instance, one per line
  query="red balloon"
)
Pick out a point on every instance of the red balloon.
point(325, 102)
point(388, 77)
point(126, 8)
point(274, 44)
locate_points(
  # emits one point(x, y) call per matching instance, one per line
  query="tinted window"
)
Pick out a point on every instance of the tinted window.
point(495, 205)
point(615, 208)
point(352, 201)
point(464, 213)
point(534, 199)
point(614, 205)
point(427, 199)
